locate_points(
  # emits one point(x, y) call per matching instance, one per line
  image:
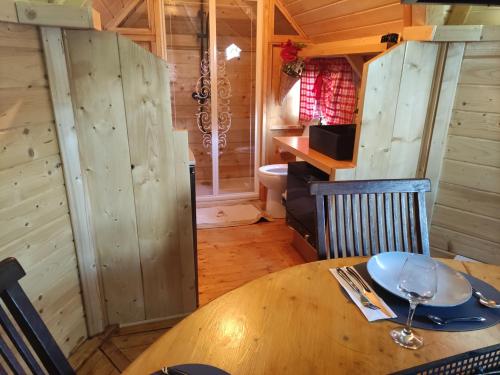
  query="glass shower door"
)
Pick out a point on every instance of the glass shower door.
point(212, 58)
point(236, 26)
point(187, 46)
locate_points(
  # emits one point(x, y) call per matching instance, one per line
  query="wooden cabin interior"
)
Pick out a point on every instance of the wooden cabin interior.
point(155, 157)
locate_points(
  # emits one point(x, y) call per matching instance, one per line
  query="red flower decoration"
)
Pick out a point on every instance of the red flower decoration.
point(289, 51)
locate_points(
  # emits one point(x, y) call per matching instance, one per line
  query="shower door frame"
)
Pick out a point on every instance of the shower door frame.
point(259, 45)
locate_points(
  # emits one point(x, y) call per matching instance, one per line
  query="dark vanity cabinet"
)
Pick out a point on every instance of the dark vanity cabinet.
point(300, 204)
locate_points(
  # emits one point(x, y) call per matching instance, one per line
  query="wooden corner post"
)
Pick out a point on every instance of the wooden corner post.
point(83, 230)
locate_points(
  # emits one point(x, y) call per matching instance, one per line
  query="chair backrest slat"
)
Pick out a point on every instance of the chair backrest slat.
point(365, 223)
point(372, 212)
point(356, 225)
point(369, 217)
point(389, 222)
point(413, 229)
point(332, 229)
point(19, 343)
point(320, 227)
point(380, 223)
point(404, 221)
point(422, 218)
point(339, 207)
point(396, 208)
point(30, 323)
point(9, 358)
point(349, 233)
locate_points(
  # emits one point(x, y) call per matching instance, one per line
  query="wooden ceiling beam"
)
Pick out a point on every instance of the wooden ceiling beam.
point(135, 17)
point(156, 16)
point(118, 18)
point(278, 39)
point(359, 46)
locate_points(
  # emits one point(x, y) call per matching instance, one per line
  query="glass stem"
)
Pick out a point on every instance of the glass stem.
point(413, 306)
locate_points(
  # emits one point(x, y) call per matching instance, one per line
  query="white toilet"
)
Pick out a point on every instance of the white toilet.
point(273, 177)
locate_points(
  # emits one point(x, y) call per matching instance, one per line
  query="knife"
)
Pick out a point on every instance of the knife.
point(367, 291)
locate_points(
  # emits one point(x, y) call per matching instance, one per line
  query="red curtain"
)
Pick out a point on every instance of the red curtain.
point(327, 90)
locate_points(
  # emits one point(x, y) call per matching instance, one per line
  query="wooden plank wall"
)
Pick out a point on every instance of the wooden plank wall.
point(466, 218)
point(281, 119)
point(149, 125)
point(395, 96)
point(121, 99)
point(34, 223)
point(102, 135)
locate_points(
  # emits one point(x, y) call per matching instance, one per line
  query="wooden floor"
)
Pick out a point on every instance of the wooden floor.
point(231, 257)
point(227, 259)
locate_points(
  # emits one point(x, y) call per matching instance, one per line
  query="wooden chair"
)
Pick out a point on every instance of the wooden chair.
point(27, 319)
point(369, 217)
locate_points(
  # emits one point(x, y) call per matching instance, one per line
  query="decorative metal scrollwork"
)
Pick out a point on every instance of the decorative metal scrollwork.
point(202, 96)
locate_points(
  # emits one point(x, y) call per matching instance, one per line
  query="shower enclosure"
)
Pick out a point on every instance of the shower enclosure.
point(213, 56)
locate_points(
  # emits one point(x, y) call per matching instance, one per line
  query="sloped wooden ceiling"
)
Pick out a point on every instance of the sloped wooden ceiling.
point(110, 9)
point(182, 15)
point(328, 20)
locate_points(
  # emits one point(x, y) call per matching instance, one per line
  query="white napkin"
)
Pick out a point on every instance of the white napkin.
point(370, 314)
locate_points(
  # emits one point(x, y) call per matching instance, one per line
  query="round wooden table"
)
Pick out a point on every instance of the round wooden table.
point(297, 321)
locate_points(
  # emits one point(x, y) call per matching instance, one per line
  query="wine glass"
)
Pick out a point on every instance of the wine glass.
point(418, 281)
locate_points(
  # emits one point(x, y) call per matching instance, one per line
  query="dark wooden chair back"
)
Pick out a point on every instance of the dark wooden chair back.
point(356, 218)
point(27, 319)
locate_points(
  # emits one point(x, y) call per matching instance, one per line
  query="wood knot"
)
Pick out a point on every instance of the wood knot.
point(30, 13)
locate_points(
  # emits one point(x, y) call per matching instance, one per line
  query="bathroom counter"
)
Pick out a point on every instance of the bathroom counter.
point(299, 146)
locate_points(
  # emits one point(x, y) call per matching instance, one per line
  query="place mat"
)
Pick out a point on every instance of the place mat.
point(470, 308)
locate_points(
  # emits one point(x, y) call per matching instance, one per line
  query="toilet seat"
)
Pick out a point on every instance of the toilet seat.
point(274, 169)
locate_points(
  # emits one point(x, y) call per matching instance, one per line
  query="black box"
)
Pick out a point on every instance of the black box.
point(300, 204)
point(335, 141)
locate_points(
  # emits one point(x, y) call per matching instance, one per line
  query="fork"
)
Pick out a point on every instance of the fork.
point(362, 298)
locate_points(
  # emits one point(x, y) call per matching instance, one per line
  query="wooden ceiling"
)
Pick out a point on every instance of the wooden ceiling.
point(321, 20)
point(234, 17)
point(328, 20)
point(110, 8)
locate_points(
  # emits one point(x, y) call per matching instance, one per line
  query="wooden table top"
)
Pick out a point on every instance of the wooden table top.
point(298, 321)
point(299, 146)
